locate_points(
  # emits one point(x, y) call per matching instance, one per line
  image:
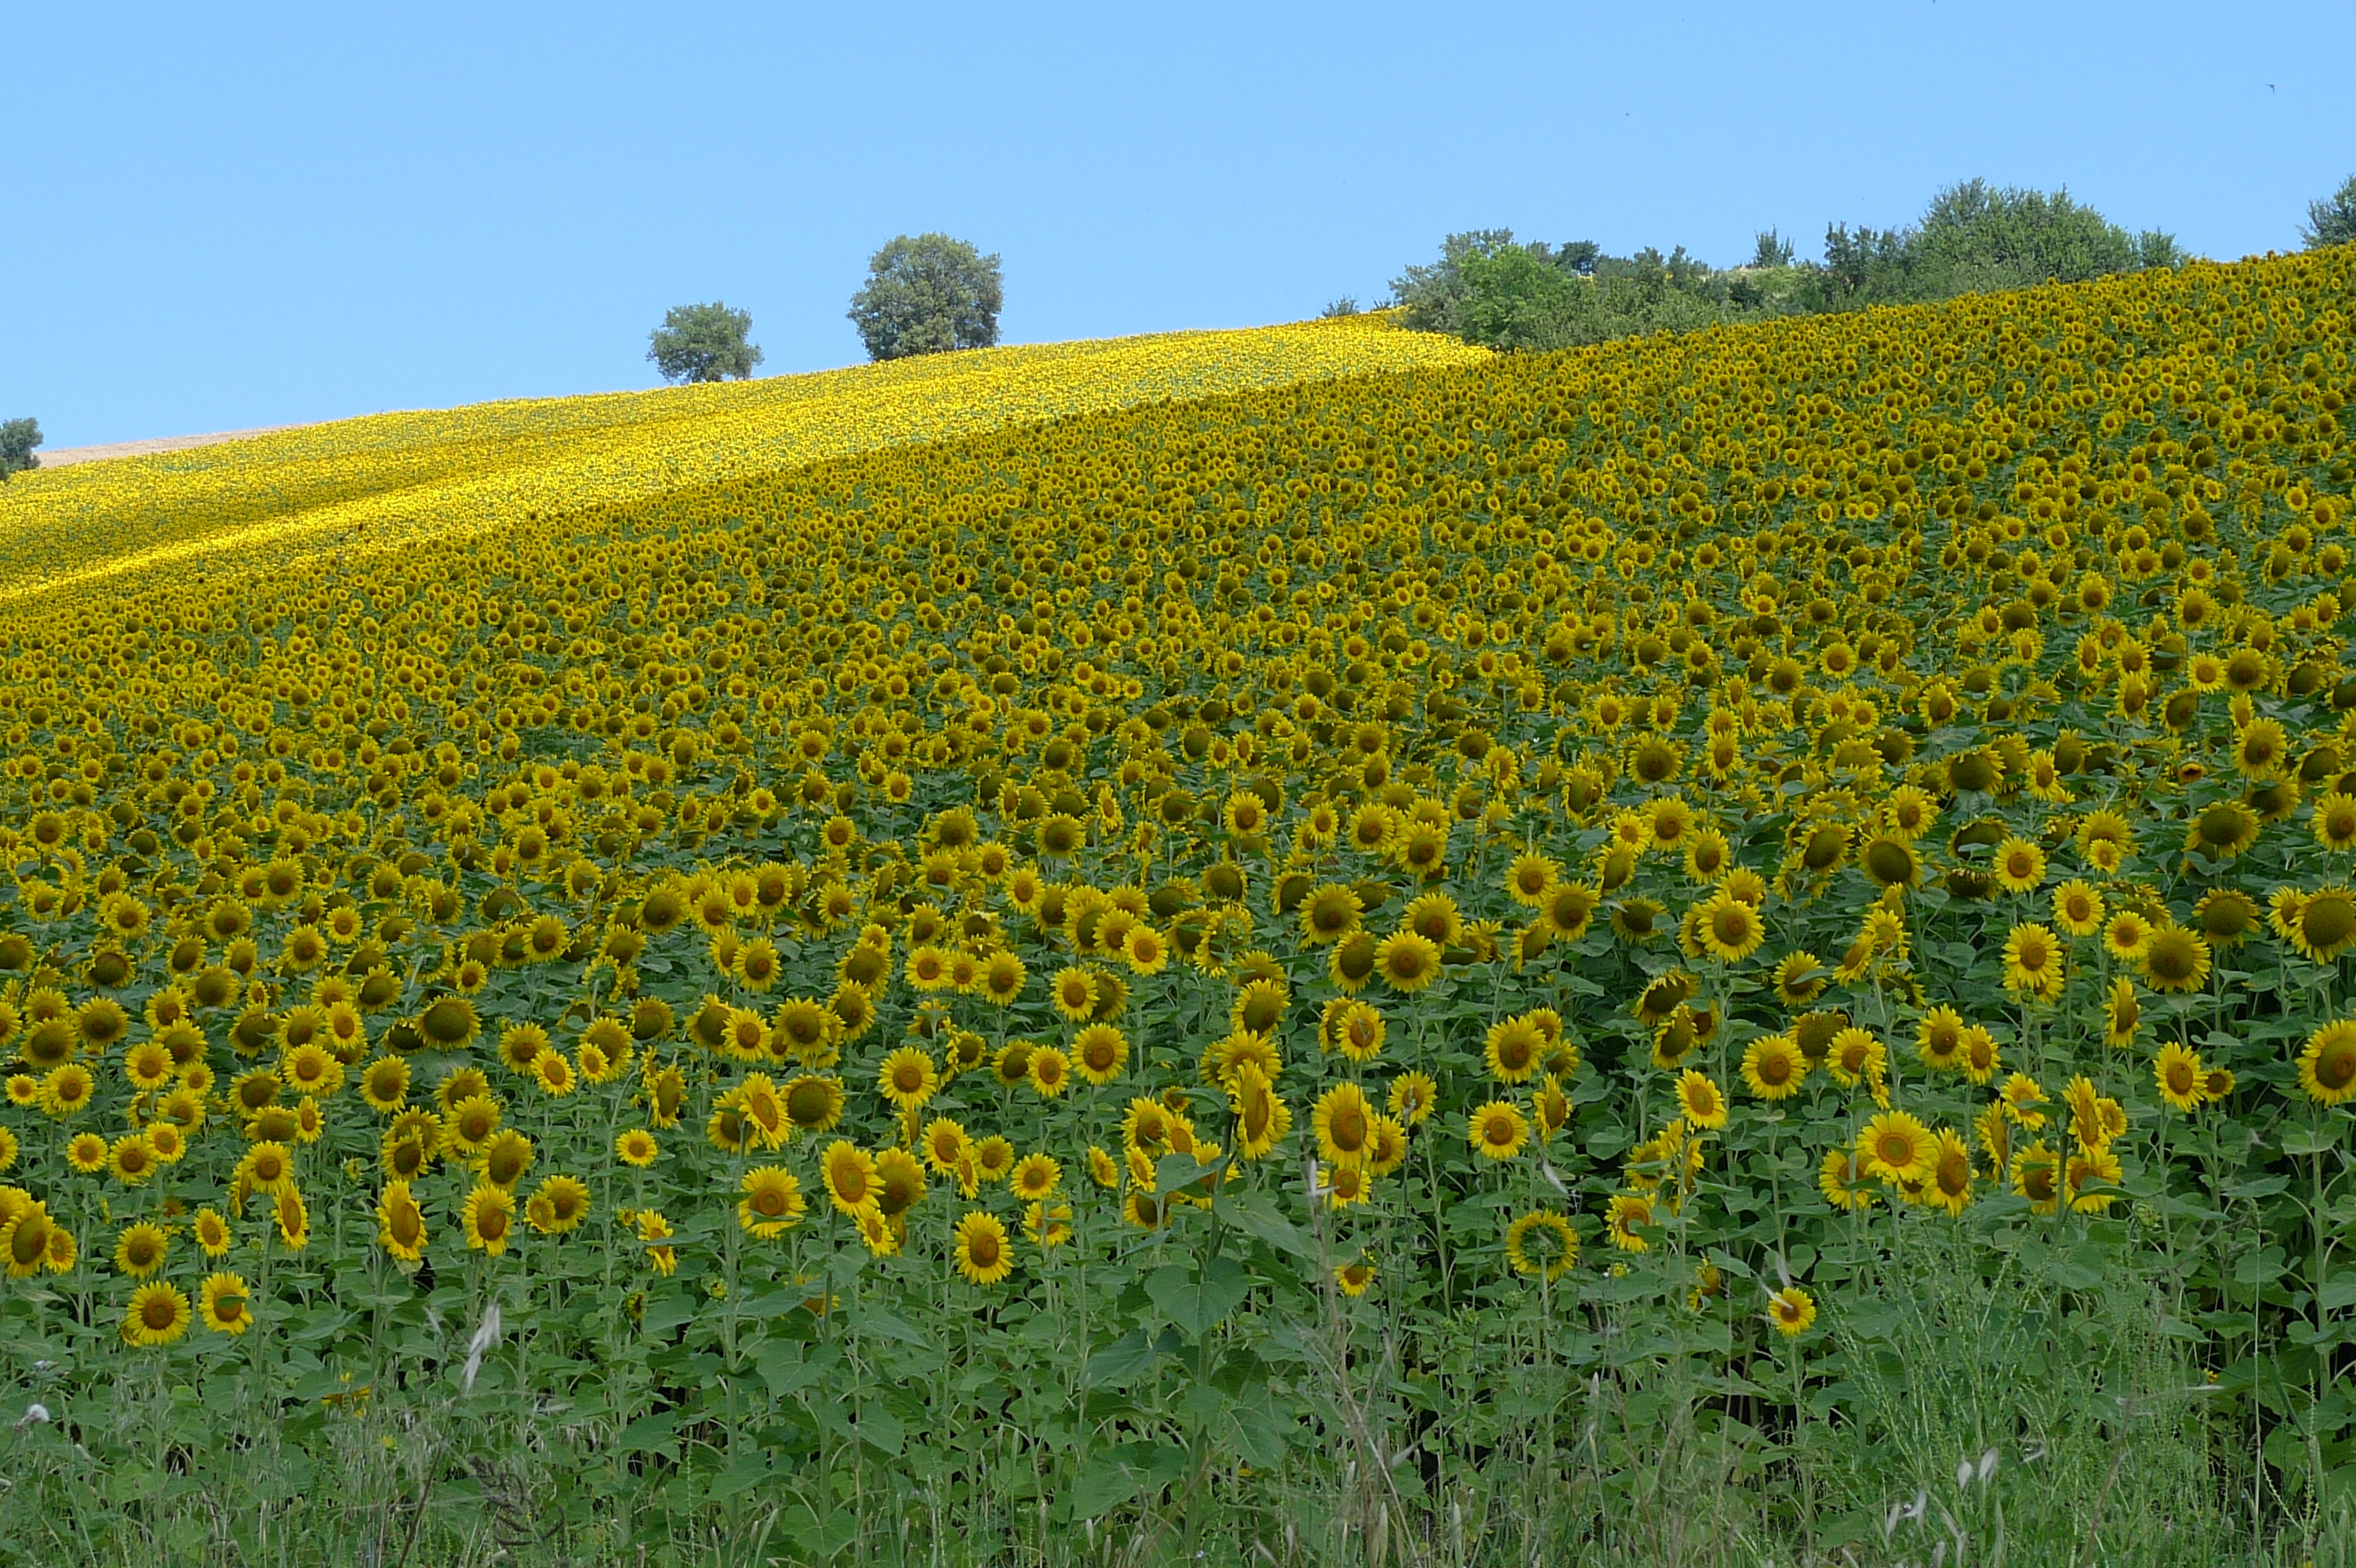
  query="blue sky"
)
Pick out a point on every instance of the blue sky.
point(227, 216)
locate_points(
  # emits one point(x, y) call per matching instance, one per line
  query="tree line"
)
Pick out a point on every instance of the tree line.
point(1531, 296)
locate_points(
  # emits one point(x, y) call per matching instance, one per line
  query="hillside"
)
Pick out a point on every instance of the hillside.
point(1404, 942)
point(352, 485)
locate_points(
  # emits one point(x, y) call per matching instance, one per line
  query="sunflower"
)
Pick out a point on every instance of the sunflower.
point(1731, 930)
point(1799, 979)
point(1541, 1244)
point(158, 1315)
point(944, 1144)
point(1790, 1310)
point(1701, 1102)
point(1343, 1122)
point(1569, 908)
point(1329, 913)
point(636, 1147)
point(1355, 1277)
point(813, 1101)
point(2175, 959)
point(2322, 924)
point(2033, 964)
point(1497, 1130)
point(1414, 1095)
point(1514, 1045)
point(2125, 934)
point(2019, 866)
point(139, 1250)
point(1773, 1067)
point(1624, 1220)
point(1407, 961)
point(1896, 1148)
point(908, 1078)
point(2122, 1015)
point(849, 1172)
point(1948, 1180)
point(211, 1232)
point(2078, 907)
point(2335, 822)
point(2226, 916)
point(2037, 1176)
point(2089, 1176)
point(2222, 831)
point(983, 1254)
point(1841, 1178)
point(2327, 1067)
point(224, 1305)
point(1939, 1039)
point(1529, 877)
point(401, 1223)
point(2179, 1076)
point(488, 1219)
point(772, 1202)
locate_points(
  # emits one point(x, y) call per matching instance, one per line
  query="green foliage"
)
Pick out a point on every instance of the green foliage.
point(1490, 289)
point(18, 439)
point(1976, 238)
point(703, 343)
point(2331, 220)
point(928, 294)
point(1532, 297)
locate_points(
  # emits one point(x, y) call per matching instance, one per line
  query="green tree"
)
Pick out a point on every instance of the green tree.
point(928, 294)
point(1770, 249)
point(18, 439)
point(703, 343)
point(2332, 219)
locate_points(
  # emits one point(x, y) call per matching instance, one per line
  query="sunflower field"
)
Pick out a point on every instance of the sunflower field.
point(1305, 946)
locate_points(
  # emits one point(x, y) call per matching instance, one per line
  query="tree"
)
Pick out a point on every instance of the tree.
point(928, 294)
point(1770, 249)
point(703, 343)
point(18, 439)
point(2332, 220)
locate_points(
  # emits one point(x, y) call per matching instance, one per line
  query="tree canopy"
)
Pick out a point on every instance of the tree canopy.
point(703, 343)
point(18, 439)
point(928, 294)
point(2331, 220)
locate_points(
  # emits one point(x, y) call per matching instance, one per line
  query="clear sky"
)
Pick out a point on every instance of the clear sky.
point(224, 216)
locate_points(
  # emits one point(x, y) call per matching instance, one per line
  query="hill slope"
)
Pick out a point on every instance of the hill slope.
point(364, 483)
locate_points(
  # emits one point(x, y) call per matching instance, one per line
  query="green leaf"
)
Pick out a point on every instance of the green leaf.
point(1196, 1302)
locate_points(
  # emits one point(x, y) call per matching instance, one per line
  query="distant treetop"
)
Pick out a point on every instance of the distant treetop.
point(928, 294)
point(18, 439)
point(703, 343)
